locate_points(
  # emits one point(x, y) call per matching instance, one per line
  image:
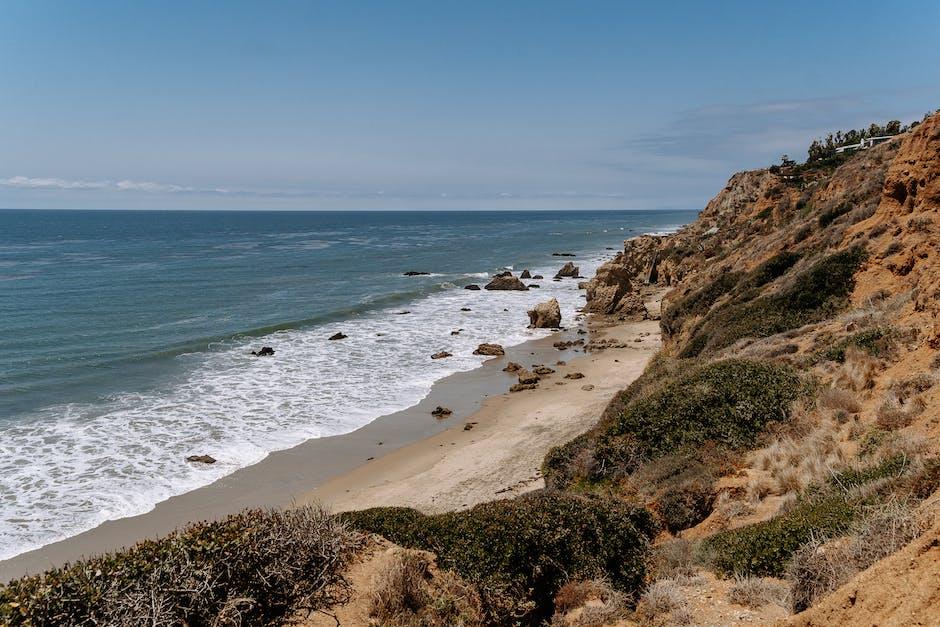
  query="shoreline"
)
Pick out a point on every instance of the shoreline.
point(409, 449)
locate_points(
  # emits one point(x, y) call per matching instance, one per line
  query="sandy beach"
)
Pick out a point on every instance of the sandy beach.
point(501, 454)
point(409, 458)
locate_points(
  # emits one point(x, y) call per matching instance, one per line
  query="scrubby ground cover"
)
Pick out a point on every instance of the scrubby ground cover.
point(254, 568)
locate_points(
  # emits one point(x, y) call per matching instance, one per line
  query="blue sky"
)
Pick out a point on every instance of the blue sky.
point(437, 105)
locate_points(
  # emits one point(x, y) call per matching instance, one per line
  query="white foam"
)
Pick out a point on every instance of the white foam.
point(73, 467)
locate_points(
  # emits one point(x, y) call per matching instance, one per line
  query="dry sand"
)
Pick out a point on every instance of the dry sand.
point(501, 455)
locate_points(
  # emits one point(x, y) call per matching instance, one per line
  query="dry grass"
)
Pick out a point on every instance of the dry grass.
point(858, 372)
point(791, 463)
point(904, 402)
point(588, 604)
point(820, 567)
point(756, 592)
point(672, 559)
point(729, 508)
point(836, 399)
point(409, 594)
point(664, 603)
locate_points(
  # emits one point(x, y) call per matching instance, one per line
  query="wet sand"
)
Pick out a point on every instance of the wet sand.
point(409, 457)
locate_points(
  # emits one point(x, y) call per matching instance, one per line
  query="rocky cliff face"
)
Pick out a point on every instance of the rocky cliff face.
point(831, 270)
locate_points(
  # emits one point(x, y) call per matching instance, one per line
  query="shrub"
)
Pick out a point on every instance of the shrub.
point(814, 295)
point(728, 402)
point(255, 567)
point(763, 549)
point(817, 569)
point(877, 342)
point(756, 592)
point(686, 504)
point(407, 593)
point(770, 270)
point(856, 476)
point(698, 303)
point(831, 215)
point(606, 604)
point(519, 552)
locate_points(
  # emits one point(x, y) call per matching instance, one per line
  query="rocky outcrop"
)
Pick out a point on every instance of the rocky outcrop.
point(493, 350)
point(545, 315)
point(569, 270)
point(506, 281)
point(512, 367)
point(441, 355)
point(266, 351)
point(525, 274)
point(441, 412)
point(473, 286)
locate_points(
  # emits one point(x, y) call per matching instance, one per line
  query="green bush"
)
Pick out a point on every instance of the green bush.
point(893, 466)
point(698, 303)
point(686, 504)
point(877, 342)
point(815, 294)
point(519, 552)
point(770, 270)
point(728, 402)
point(823, 511)
point(765, 548)
point(256, 567)
point(828, 217)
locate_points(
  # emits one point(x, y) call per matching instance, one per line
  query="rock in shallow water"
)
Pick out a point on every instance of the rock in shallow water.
point(504, 282)
point(266, 351)
point(338, 336)
point(493, 350)
point(545, 315)
point(201, 459)
point(441, 355)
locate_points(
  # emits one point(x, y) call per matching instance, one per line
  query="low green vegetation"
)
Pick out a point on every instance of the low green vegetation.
point(814, 295)
point(728, 401)
point(520, 552)
point(877, 342)
point(699, 302)
point(763, 549)
point(831, 215)
point(678, 407)
point(254, 568)
point(823, 511)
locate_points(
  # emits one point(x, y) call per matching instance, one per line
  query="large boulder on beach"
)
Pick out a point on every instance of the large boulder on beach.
point(493, 350)
point(546, 315)
point(527, 378)
point(569, 270)
point(506, 282)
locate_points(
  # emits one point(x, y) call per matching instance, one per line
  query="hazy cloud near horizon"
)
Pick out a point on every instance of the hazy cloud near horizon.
point(329, 107)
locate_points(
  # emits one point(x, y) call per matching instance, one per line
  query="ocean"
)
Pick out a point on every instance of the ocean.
point(126, 337)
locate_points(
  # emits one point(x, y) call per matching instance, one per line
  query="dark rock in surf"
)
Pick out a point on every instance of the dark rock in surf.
point(504, 282)
point(415, 273)
point(338, 336)
point(201, 459)
point(525, 274)
point(473, 286)
point(266, 351)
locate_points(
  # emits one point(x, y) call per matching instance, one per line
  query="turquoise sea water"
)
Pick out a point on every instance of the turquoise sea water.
point(126, 337)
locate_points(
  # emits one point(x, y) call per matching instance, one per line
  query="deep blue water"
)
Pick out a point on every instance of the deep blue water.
point(122, 326)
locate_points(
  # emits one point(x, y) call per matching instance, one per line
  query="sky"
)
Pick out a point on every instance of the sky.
point(437, 105)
